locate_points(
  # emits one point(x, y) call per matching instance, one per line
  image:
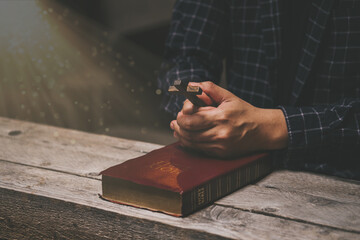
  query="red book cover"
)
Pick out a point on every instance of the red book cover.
point(177, 170)
point(172, 168)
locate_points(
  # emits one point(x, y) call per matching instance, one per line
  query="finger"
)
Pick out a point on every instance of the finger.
point(204, 97)
point(189, 108)
point(210, 149)
point(214, 92)
point(176, 136)
point(195, 137)
point(172, 124)
point(197, 121)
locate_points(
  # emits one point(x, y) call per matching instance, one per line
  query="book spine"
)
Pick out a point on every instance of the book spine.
point(225, 184)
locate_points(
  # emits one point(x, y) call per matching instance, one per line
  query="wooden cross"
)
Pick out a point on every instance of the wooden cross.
point(189, 92)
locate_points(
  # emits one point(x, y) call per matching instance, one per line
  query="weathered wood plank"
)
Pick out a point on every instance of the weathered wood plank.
point(71, 139)
point(27, 195)
point(28, 216)
point(299, 206)
point(337, 189)
point(63, 149)
point(292, 195)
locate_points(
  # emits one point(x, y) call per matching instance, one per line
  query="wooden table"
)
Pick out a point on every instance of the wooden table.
point(49, 188)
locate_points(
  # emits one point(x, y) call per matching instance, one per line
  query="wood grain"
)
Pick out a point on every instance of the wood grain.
point(38, 201)
point(65, 150)
point(43, 134)
point(337, 189)
point(298, 206)
point(28, 216)
point(71, 157)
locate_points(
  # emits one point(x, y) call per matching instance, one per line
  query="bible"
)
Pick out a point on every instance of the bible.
point(178, 182)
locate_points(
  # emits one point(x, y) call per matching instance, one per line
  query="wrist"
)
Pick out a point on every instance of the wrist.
point(273, 129)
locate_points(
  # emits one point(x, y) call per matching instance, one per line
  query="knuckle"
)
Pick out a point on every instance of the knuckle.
point(187, 124)
point(188, 136)
point(222, 117)
point(223, 135)
point(218, 151)
point(207, 85)
point(183, 142)
point(179, 115)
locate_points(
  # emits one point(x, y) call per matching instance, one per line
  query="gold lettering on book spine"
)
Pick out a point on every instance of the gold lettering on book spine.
point(209, 193)
point(247, 175)
point(201, 196)
point(220, 188)
point(223, 185)
point(193, 202)
point(228, 183)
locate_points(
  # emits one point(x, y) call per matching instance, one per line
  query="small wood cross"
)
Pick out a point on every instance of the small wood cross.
point(189, 92)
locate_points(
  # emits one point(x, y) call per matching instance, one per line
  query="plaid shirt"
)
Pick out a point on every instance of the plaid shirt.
point(323, 111)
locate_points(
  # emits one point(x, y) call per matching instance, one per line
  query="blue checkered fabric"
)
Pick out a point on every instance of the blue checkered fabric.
point(323, 111)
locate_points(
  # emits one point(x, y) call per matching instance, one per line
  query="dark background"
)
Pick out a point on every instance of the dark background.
point(89, 65)
point(146, 23)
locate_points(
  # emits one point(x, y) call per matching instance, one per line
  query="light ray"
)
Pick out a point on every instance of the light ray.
point(59, 68)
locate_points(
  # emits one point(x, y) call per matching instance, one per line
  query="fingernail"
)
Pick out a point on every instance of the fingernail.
point(172, 125)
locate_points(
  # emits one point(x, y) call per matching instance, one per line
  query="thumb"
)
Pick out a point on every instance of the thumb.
point(214, 92)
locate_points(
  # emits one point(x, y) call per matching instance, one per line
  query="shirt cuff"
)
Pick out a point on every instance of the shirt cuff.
point(306, 135)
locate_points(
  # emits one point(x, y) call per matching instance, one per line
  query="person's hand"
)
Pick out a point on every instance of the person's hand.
point(230, 126)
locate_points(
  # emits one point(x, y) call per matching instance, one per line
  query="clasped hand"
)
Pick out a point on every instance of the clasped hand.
point(229, 126)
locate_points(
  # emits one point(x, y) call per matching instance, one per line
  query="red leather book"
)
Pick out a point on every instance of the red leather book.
point(178, 182)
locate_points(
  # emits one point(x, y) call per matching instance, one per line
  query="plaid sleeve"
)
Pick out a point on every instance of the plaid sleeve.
point(323, 135)
point(194, 48)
